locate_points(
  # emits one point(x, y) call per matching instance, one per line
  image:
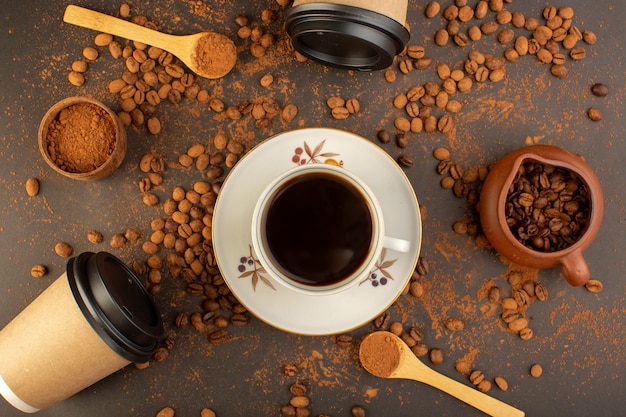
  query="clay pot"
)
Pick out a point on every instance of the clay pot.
point(110, 165)
point(493, 219)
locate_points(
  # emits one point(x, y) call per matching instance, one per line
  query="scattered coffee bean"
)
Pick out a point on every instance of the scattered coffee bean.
point(600, 90)
point(95, 237)
point(38, 271)
point(526, 333)
point(484, 386)
point(432, 9)
point(384, 136)
point(463, 366)
point(405, 161)
point(64, 250)
point(299, 401)
point(166, 412)
point(536, 370)
point(154, 125)
point(476, 377)
point(357, 411)
point(501, 383)
point(594, 114)
point(593, 285)
point(436, 356)
point(207, 412)
point(32, 187)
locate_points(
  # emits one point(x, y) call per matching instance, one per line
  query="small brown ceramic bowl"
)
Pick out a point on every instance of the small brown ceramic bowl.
point(95, 125)
point(492, 204)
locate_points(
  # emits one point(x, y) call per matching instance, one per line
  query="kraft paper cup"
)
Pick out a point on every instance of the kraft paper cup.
point(92, 321)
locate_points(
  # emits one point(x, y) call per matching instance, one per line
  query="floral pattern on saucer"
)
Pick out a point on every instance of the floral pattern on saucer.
point(285, 308)
point(315, 155)
point(380, 268)
point(250, 267)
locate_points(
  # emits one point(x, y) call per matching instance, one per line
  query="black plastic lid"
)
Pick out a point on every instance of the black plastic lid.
point(344, 36)
point(115, 304)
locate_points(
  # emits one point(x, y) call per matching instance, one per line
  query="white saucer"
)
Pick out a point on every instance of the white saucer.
point(287, 309)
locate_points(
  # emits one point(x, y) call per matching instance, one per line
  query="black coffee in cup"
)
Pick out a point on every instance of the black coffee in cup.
point(317, 229)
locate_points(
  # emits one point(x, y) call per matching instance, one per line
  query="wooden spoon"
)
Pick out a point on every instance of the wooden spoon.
point(208, 54)
point(385, 355)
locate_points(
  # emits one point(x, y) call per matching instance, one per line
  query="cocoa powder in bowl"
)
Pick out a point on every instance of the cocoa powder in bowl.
point(82, 139)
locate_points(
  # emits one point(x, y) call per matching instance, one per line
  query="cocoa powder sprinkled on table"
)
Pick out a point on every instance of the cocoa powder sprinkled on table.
point(81, 138)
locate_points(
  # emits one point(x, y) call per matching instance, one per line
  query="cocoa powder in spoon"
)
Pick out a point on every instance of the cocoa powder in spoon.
point(379, 354)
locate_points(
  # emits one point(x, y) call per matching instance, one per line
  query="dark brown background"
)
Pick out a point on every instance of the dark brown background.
point(579, 336)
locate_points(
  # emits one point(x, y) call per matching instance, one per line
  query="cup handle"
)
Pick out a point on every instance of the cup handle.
point(575, 269)
point(399, 245)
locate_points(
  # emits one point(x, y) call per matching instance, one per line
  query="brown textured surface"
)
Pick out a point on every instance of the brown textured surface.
point(579, 336)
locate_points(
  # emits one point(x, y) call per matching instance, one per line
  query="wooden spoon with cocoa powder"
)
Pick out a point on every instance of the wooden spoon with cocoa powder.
point(208, 54)
point(385, 355)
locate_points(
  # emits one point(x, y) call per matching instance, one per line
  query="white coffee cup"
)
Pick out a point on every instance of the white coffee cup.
point(318, 229)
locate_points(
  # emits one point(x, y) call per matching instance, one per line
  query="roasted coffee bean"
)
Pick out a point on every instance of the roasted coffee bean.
point(432, 9)
point(396, 328)
point(298, 389)
point(340, 113)
point(509, 315)
point(384, 136)
point(436, 356)
point(420, 349)
point(299, 401)
point(181, 320)
point(518, 324)
point(416, 289)
point(463, 366)
point(63, 249)
point(382, 321)
point(160, 354)
point(218, 336)
point(423, 266)
point(526, 333)
point(390, 75)
point(422, 63)
point(541, 222)
point(289, 112)
point(344, 340)
point(484, 386)
point(445, 124)
point(541, 292)
point(357, 411)
point(166, 412)
point(600, 90)
point(593, 285)
point(501, 383)
point(402, 140)
point(594, 114)
point(559, 70)
point(476, 377)
point(38, 271)
point(207, 412)
point(287, 410)
point(536, 370)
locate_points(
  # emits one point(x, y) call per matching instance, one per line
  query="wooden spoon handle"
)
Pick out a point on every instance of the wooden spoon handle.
point(101, 22)
point(471, 396)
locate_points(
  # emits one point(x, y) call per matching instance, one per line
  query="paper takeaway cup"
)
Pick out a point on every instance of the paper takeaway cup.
point(92, 321)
